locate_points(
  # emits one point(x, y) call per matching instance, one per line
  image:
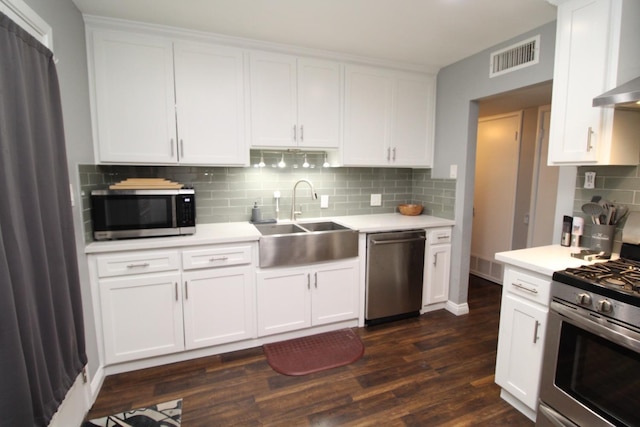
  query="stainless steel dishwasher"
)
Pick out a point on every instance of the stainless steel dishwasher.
point(395, 266)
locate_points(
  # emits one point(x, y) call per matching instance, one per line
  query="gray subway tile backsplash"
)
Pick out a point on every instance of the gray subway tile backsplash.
point(228, 194)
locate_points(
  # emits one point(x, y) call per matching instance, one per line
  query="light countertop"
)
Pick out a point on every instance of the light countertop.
point(543, 259)
point(236, 232)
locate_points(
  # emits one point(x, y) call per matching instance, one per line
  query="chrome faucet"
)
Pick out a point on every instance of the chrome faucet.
point(314, 196)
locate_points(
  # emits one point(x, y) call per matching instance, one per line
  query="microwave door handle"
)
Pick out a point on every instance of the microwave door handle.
point(174, 216)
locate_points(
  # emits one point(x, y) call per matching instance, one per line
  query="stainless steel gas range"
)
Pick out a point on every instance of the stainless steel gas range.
point(591, 367)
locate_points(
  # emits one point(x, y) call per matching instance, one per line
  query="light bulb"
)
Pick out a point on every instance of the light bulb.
point(281, 163)
point(326, 162)
point(261, 164)
point(305, 164)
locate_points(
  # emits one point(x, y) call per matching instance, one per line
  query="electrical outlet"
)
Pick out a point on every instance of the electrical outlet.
point(589, 180)
point(376, 200)
point(324, 201)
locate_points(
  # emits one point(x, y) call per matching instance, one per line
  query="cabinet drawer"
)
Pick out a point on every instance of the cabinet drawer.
point(216, 257)
point(137, 263)
point(439, 235)
point(527, 286)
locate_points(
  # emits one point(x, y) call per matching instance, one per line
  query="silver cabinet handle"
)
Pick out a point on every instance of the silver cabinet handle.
point(222, 258)
point(444, 236)
point(301, 133)
point(171, 146)
point(308, 281)
point(589, 135)
point(316, 279)
point(181, 148)
point(176, 289)
point(535, 332)
point(524, 288)
point(295, 135)
point(394, 154)
point(186, 290)
point(435, 259)
point(388, 153)
point(142, 265)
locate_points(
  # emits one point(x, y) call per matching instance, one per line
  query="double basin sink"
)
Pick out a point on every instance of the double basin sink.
point(305, 243)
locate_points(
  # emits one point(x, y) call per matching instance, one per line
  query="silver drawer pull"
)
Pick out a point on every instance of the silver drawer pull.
point(443, 237)
point(535, 332)
point(143, 265)
point(524, 288)
point(222, 258)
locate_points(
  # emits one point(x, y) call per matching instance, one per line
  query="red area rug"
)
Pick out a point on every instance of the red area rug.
point(302, 356)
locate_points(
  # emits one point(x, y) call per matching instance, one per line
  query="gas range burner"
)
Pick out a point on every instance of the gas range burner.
point(622, 275)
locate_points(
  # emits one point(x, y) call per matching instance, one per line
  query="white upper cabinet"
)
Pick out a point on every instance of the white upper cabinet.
point(134, 115)
point(389, 118)
point(144, 114)
point(596, 49)
point(295, 102)
point(210, 104)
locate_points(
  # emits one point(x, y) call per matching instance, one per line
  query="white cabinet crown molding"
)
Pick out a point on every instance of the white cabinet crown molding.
point(94, 21)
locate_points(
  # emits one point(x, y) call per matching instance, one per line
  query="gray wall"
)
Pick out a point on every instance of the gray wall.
point(69, 48)
point(460, 85)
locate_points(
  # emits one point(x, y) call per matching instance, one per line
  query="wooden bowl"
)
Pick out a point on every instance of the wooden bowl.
point(411, 210)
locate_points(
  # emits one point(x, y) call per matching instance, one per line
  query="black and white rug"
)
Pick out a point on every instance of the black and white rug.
point(167, 414)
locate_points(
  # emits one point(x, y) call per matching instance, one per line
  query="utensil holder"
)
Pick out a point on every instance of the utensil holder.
point(602, 237)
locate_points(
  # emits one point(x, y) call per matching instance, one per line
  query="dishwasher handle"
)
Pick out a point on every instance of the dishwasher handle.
point(388, 242)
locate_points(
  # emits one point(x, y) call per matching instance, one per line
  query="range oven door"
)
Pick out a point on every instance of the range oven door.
point(590, 371)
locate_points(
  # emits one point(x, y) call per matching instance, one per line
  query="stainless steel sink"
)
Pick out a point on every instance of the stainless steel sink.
point(305, 243)
point(271, 229)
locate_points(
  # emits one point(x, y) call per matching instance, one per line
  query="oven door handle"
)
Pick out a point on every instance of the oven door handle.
point(595, 325)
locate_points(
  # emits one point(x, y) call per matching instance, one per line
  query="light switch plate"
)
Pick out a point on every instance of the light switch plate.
point(453, 171)
point(324, 201)
point(376, 200)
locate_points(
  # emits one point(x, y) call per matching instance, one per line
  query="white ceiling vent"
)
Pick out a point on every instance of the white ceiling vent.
point(515, 57)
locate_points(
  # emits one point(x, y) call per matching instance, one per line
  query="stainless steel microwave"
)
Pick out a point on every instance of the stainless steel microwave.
point(125, 214)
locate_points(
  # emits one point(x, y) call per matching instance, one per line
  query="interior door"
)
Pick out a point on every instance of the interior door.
point(495, 184)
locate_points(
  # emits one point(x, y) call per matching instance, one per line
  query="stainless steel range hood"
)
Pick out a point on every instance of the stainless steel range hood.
point(627, 94)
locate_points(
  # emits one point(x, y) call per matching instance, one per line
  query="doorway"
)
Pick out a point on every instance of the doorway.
point(514, 189)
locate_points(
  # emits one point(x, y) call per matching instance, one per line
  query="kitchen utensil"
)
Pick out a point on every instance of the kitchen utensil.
point(621, 213)
point(594, 210)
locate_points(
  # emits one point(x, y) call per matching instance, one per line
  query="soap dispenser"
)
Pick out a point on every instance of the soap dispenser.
point(256, 215)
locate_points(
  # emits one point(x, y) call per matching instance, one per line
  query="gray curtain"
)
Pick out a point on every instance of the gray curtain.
point(41, 326)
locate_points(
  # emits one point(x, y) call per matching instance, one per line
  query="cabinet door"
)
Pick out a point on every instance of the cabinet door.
point(367, 126)
point(437, 264)
point(218, 306)
point(134, 113)
point(141, 316)
point(580, 73)
point(520, 346)
point(335, 293)
point(210, 104)
point(273, 100)
point(284, 300)
point(413, 121)
point(319, 103)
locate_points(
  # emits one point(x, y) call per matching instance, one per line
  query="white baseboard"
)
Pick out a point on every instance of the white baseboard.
point(75, 406)
point(457, 309)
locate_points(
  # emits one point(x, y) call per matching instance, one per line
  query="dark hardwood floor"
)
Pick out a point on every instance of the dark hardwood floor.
point(434, 370)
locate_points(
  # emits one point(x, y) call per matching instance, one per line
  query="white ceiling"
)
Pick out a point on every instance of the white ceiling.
point(429, 33)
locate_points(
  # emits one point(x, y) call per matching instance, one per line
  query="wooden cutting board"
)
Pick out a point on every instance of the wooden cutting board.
point(146, 184)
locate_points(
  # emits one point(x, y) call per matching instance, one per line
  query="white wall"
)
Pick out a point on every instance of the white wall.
point(459, 85)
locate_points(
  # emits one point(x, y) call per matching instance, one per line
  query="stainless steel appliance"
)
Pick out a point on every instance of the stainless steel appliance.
point(123, 214)
point(591, 366)
point(395, 266)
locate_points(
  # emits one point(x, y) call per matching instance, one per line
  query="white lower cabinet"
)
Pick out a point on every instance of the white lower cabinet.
point(218, 306)
point(152, 306)
point(141, 316)
point(437, 265)
point(523, 320)
point(294, 298)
